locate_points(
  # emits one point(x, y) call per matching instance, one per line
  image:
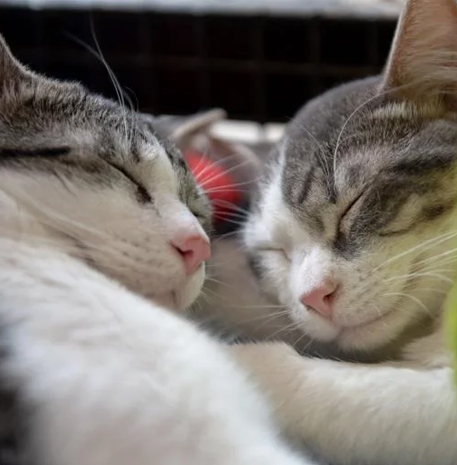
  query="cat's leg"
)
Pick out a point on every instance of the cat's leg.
point(354, 413)
point(110, 379)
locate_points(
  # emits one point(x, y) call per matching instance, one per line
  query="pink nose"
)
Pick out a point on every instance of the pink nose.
point(319, 298)
point(194, 250)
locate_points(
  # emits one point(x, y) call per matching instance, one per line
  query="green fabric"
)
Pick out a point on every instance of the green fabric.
point(451, 321)
point(451, 313)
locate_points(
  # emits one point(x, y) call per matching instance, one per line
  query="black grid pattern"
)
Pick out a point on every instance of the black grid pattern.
point(257, 68)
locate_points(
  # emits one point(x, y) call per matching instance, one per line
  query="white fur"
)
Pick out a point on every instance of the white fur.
point(109, 377)
point(116, 380)
point(105, 372)
point(390, 414)
point(126, 241)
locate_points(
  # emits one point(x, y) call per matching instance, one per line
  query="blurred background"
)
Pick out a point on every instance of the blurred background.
point(258, 60)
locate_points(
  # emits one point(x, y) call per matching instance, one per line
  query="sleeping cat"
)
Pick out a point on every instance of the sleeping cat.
point(352, 239)
point(103, 234)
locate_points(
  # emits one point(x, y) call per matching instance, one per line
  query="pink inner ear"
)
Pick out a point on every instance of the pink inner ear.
point(423, 54)
point(219, 185)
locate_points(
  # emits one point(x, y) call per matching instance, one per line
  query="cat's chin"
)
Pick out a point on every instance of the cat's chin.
point(187, 295)
point(370, 335)
point(183, 297)
point(366, 336)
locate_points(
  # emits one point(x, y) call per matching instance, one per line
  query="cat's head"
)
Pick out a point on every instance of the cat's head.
point(353, 226)
point(103, 182)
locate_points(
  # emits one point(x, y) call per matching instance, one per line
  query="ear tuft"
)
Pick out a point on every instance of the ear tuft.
point(11, 71)
point(422, 65)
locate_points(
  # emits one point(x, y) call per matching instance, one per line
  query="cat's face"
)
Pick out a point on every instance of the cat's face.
point(353, 231)
point(352, 226)
point(100, 179)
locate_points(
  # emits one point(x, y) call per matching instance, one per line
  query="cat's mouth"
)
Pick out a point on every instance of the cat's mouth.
point(183, 296)
point(353, 327)
point(366, 324)
point(367, 333)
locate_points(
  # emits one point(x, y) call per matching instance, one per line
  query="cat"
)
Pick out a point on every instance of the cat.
point(352, 240)
point(103, 243)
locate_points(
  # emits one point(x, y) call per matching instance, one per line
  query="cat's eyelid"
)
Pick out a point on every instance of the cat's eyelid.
point(351, 204)
point(394, 233)
point(266, 245)
point(269, 247)
point(200, 216)
point(42, 152)
point(142, 193)
point(347, 210)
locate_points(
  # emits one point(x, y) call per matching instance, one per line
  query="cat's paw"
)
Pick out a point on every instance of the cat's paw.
point(255, 354)
point(283, 376)
point(270, 365)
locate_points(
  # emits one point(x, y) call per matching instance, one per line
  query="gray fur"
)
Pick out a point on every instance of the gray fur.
point(380, 158)
point(64, 130)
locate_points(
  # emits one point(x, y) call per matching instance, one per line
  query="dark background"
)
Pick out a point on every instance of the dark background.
point(256, 68)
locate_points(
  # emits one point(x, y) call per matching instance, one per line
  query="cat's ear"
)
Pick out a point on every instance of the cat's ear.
point(178, 128)
point(195, 133)
point(11, 71)
point(422, 65)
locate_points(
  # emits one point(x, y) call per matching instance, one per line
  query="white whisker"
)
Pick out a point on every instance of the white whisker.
point(409, 296)
point(422, 246)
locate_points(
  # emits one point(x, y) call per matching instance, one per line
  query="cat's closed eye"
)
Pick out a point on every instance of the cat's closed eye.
point(347, 217)
point(274, 249)
point(142, 193)
point(390, 233)
point(197, 207)
point(200, 217)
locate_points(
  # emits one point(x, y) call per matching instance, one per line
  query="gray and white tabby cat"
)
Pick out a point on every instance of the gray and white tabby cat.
point(353, 239)
point(103, 234)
